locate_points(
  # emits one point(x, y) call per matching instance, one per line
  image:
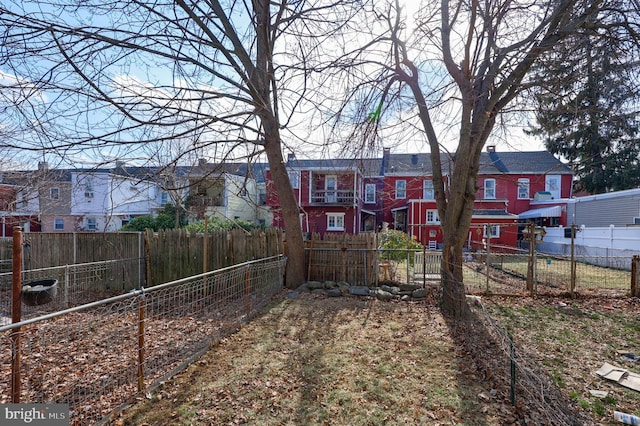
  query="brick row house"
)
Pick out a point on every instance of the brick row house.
point(334, 195)
point(397, 191)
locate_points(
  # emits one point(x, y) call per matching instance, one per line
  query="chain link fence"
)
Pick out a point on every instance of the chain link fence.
point(100, 355)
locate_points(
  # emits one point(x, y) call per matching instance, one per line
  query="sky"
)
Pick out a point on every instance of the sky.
point(507, 138)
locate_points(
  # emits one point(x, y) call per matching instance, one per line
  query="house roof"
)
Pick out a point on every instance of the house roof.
point(522, 162)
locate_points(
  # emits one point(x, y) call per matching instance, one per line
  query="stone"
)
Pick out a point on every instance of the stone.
point(409, 287)
point(330, 284)
point(334, 292)
point(314, 285)
point(303, 287)
point(359, 290)
point(383, 295)
point(419, 293)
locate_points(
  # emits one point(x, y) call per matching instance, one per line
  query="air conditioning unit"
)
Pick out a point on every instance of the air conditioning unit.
point(636, 220)
point(88, 194)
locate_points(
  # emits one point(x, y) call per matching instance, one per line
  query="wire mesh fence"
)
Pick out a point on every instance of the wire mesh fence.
point(509, 365)
point(512, 273)
point(98, 356)
point(76, 284)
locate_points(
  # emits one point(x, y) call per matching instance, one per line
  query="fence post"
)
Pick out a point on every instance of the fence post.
point(247, 289)
point(66, 286)
point(634, 275)
point(141, 319)
point(530, 260)
point(488, 254)
point(573, 261)
point(16, 314)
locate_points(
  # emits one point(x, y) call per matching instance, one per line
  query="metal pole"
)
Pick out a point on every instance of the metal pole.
point(141, 320)
point(16, 314)
point(573, 261)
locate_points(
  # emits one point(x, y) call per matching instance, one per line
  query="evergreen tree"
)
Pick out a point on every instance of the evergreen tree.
point(587, 108)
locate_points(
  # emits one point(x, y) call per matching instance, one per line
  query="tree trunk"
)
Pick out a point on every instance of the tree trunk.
point(290, 212)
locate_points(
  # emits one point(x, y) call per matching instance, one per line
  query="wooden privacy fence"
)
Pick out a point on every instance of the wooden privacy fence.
point(342, 257)
point(176, 253)
point(171, 254)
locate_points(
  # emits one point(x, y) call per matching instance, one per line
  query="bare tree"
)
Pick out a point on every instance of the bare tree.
point(462, 66)
point(103, 78)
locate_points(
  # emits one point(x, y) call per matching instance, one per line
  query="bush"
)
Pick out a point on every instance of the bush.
point(166, 219)
point(216, 223)
point(394, 246)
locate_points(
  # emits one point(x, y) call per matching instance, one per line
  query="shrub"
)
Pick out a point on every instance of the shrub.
point(394, 245)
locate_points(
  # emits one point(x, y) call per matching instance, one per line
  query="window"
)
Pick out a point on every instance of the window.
point(335, 221)
point(58, 224)
point(401, 189)
point(492, 231)
point(370, 193)
point(54, 193)
point(294, 178)
point(523, 189)
point(91, 224)
point(88, 189)
point(427, 190)
point(164, 197)
point(330, 187)
point(432, 216)
point(489, 189)
point(552, 185)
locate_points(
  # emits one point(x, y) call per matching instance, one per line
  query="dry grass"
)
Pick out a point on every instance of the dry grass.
point(340, 361)
point(354, 361)
point(572, 339)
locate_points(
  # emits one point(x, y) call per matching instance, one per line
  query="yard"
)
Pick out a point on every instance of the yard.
point(356, 361)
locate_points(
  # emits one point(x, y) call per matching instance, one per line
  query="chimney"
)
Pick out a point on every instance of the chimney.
point(43, 166)
point(291, 156)
point(202, 161)
point(491, 148)
point(414, 159)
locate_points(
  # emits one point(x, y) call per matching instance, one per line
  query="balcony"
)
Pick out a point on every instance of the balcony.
point(333, 197)
point(204, 201)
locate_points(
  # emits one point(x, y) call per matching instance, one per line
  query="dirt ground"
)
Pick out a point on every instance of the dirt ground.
point(358, 361)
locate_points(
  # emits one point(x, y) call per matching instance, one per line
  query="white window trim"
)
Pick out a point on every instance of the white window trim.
point(55, 224)
point(404, 196)
point(294, 178)
point(528, 183)
point(57, 192)
point(495, 234)
point(95, 222)
point(431, 188)
point(487, 194)
point(366, 193)
point(335, 216)
point(435, 216)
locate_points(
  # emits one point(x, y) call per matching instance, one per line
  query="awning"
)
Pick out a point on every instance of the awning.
point(554, 211)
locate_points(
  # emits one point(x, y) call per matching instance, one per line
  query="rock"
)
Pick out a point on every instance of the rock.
point(419, 293)
point(383, 295)
point(405, 298)
point(409, 287)
point(359, 290)
point(318, 291)
point(390, 289)
point(330, 284)
point(343, 284)
point(303, 287)
point(334, 292)
point(293, 295)
point(314, 285)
